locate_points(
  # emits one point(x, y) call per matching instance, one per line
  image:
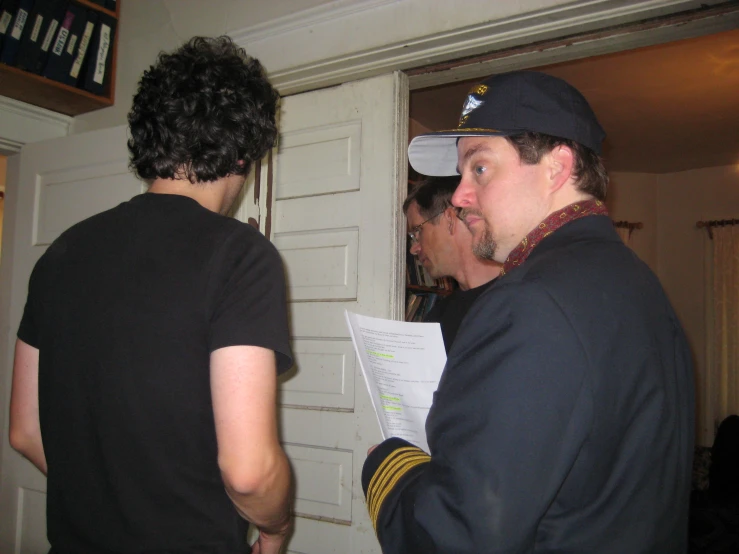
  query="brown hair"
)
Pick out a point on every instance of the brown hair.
point(433, 195)
point(589, 170)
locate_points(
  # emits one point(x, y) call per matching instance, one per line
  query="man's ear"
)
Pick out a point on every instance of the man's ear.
point(451, 216)
point(561, 162)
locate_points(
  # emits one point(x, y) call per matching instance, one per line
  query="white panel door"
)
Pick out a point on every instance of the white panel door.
point(339, 176)
point(50, 186)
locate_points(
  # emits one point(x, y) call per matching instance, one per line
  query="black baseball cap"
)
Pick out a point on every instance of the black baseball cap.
point(509, 104)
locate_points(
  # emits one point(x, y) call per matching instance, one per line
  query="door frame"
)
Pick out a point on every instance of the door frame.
point(608, 39)
point(556, 33)
point(21, 124)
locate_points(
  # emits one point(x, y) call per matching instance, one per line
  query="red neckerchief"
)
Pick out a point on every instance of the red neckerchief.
point(553, 222)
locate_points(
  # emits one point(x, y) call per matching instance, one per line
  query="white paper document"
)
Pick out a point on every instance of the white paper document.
point(402, 364)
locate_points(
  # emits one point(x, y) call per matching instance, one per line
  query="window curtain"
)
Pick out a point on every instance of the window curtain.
point(722, 380)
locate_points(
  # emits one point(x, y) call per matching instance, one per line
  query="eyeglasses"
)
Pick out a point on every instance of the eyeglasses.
point(415, 233)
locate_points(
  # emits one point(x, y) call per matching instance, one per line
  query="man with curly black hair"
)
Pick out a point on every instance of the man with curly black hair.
point(144, 382)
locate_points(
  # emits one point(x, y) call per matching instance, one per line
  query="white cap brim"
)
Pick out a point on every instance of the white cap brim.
point(435, 154)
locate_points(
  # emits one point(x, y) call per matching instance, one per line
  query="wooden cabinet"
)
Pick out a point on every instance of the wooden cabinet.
point(53, 95)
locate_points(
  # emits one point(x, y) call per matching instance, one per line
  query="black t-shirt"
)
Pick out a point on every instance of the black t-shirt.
point(449, 311)
point(125, 309)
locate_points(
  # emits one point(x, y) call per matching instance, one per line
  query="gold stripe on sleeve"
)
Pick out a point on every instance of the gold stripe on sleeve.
point(388, 467)
point(391, 475)
point(410, 464)
point(392, 469)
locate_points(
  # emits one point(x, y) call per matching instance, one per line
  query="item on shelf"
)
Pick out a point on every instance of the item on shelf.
point(7, 11)
point(414, 300)
point(418, 305)
point(61, 55)
point(14, 32)
point(73, 75)
point(97, 70)
point(35, 45)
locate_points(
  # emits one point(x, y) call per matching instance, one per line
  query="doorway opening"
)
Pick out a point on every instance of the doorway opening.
point(672, 152)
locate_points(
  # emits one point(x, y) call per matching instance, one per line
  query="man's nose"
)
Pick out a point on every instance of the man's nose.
point(462, 197)
point(415, 248)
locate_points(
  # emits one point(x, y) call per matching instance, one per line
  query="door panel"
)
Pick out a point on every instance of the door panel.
point(326, 376)
point(325, 320)
point(51, 185)
point(320, 265)
point(308, 214)
point(336, 225)
point(32, 519)
point(319, 160)
point(325, 478)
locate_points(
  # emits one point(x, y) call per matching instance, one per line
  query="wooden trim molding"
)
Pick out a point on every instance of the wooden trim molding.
point(21, 123)
point(311, 17)
point(310, 31)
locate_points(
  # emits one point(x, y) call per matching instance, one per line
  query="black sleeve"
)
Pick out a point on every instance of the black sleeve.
point(511, 413)
point(249, 305)
point(28, 330)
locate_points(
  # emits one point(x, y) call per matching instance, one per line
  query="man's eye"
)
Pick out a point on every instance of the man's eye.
point(479, 170)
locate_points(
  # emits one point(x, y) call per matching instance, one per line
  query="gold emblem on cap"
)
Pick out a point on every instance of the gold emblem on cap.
point(472, 103)
point(479, 90)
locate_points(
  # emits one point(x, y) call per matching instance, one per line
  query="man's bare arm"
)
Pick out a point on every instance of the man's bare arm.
point(254, 467)
point(25, 426)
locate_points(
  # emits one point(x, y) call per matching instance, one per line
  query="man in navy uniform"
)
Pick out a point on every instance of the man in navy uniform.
point(563, 421)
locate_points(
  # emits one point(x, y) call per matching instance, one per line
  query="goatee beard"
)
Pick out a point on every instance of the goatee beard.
point(485, 247)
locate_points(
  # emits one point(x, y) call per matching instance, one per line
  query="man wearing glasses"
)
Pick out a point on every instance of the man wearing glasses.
point(443, 244)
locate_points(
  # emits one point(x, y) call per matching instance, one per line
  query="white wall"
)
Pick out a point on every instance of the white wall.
point(147, 27)
point(633, 197)
point(669, 205)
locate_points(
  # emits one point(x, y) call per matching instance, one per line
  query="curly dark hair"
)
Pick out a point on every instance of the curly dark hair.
point(589, 170)
point(201, 113)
